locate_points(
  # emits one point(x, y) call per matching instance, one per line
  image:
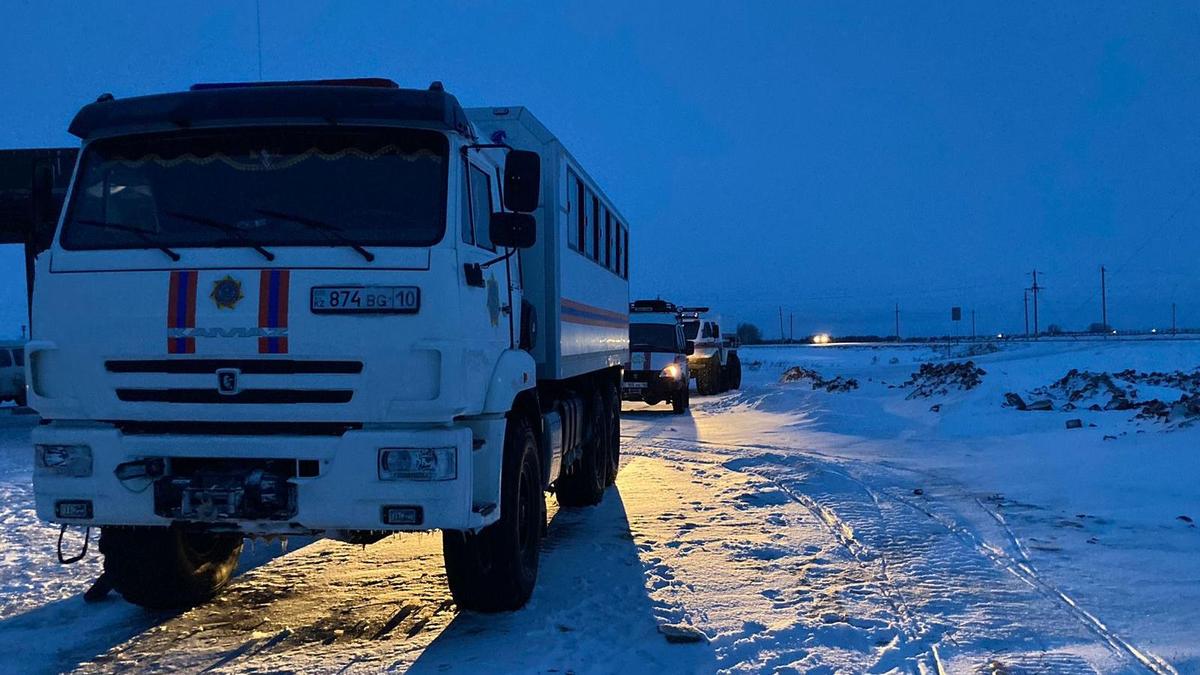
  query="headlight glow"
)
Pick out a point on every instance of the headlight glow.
point(63, 460)
point(672, 371)
point(418, 464)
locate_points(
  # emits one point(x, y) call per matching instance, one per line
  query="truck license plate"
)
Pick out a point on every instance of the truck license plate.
point(635, 385)
point(365, 299)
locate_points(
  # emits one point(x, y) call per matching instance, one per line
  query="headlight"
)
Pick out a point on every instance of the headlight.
point(64, 460)
point(418, 464)
point(672, 371)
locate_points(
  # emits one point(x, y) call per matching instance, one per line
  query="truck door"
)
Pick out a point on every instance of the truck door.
point(485, 311)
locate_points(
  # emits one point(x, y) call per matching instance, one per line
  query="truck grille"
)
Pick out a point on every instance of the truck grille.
point(245, 396)
point(256, 381)
point(246, 366)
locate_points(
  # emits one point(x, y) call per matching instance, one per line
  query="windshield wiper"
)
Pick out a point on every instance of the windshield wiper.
point(141, 234)
point(237, 232)
point(320, 226)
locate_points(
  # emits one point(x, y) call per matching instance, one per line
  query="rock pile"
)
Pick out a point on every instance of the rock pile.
point(937, 379)
point(801, 374)
point(1119, 391)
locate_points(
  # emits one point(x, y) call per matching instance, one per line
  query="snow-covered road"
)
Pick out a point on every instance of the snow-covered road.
point(797, 530)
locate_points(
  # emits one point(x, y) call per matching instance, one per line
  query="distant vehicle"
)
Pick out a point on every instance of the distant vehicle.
point(658, 356)
point(714, 363)
point(313, 308)
point(12, 372)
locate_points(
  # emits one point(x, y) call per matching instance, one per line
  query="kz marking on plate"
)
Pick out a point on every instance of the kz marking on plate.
point(365, 299)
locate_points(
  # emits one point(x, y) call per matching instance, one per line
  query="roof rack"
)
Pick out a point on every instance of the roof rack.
point(693, 310)
point(377, 82)
point(652, 306)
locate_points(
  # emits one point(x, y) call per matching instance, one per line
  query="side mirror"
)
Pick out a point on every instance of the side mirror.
point(513, 230)
point(522, 181)
point(689, 347)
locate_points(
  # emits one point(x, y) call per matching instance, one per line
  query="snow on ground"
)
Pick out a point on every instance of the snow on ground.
point(796, 530)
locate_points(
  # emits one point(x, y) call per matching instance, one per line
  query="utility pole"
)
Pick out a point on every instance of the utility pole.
point(1035, 289)
point(897, 322)
point(791, 327)
point(1026, 313)
point(1172, 318)
point(782, 335)
point(1103, 302)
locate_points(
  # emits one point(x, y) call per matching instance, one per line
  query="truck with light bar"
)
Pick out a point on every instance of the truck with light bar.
point(658, 356)
point(338, 308)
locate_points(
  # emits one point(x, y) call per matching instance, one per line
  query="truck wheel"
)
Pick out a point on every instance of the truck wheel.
point(679, 404)
point(494, 570)
point(613, 424)
point(704, 383)
point(720, 384)
point(168, 567)
point(733, 379)
point(584, 486)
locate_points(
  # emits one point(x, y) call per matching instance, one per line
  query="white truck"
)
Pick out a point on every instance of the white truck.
point(327, 307)
point(658, 356)
point(714, 360)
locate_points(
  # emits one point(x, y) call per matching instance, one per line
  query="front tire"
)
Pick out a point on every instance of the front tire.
point(495, 570)
point(679, 404)
point(168, 567)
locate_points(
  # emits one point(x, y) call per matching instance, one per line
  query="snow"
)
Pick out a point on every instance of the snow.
point(777, 529)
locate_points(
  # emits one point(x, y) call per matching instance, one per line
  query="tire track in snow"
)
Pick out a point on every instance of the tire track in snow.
point(1019, 566)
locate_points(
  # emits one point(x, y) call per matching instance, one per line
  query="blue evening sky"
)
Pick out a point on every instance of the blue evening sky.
point(832, 158)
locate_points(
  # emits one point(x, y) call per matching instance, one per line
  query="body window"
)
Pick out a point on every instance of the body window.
point(5, 359)
point(589, 240)
point(595, 229)
point(19, 356)
point(608, 240)
point(626, 274)
point(574, 199)
point(481, 206)
point(617, 251)
point(581, 226)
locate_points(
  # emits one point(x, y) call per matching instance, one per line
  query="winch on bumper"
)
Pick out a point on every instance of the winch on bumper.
point(395, 479)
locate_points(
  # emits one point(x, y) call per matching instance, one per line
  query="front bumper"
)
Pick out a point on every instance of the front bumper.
point(650, 385)
point(345, 494)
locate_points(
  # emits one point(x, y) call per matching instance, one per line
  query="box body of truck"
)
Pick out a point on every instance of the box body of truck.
point(577, 274)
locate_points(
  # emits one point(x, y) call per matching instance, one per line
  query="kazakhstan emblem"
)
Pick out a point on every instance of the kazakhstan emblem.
point(226, 292)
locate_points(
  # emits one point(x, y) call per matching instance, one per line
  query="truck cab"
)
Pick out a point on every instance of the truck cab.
point(658, 367)
point(299, 308)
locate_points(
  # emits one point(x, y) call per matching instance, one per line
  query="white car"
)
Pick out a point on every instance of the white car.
point(12, 372)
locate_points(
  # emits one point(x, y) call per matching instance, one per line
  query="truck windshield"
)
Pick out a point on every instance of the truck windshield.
point(691, 329)
point(653, 337)
point(261, 187)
